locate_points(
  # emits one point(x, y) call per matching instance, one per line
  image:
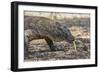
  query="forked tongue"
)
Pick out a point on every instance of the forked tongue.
point(74, 44)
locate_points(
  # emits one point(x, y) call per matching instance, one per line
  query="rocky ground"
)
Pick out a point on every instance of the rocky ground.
point(39, 50)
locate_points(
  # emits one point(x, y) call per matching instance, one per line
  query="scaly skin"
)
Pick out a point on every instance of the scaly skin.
point(44, 28)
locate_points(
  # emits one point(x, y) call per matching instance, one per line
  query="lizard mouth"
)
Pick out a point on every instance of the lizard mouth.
point(71, 40)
